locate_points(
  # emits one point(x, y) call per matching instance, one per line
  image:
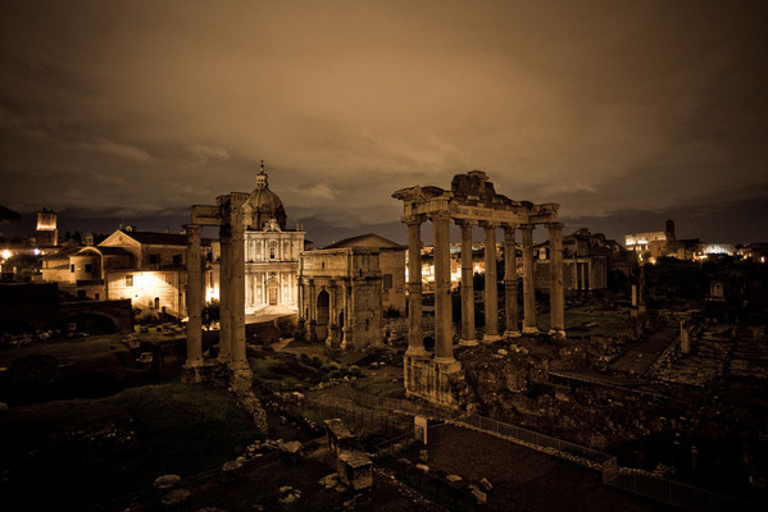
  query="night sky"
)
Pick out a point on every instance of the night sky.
point(624, 112)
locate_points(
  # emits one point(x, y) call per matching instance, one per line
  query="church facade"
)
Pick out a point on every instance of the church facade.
point(271, 252)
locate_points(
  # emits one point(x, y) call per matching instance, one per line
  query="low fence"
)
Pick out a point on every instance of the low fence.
point(642, 483)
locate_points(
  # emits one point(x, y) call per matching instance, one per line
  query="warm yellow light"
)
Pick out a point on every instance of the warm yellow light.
point(6, 254)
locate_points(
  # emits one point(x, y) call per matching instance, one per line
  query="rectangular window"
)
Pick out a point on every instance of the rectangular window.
point(129, 281)
point(387, 281)
point(97, 296)
point(154, 259)
point(177, 259)
point(72, 268)
point(88, 268)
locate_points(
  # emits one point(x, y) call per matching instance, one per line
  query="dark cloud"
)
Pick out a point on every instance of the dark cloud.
point(604, 106)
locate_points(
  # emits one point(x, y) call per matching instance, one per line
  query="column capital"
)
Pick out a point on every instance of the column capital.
point(441, 215)
point(414, 220)
point(192, 227)
point(464, 223)
point(508, 227)
point(488, 224)
point(526, 226)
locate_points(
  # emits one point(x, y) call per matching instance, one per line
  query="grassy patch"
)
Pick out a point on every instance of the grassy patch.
point(388, 387)
point(122, 442)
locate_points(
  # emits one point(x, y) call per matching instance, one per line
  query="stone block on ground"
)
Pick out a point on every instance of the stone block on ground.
point(423, 456)
point(422, 467)
point(485, 485)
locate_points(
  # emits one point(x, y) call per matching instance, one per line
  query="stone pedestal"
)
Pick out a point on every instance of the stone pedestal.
point(437, 383)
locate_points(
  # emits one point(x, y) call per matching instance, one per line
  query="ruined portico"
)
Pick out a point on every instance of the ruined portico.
point(227, 214)
point(472, 201)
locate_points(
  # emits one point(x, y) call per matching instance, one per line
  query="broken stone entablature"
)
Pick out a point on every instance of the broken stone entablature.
point(472, 200)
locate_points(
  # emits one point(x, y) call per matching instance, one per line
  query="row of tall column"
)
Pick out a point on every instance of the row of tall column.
point(443, 311)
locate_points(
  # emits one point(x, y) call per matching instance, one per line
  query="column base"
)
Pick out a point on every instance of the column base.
point(192, 372)
point(416, 352)
point(448, 364)
point(557, 333)
point(530, 330)
point(491, 338)
point(512, 334)
point(241, 376)
point(468, 343)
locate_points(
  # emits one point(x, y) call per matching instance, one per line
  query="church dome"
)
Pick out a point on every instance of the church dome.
point(263, 205)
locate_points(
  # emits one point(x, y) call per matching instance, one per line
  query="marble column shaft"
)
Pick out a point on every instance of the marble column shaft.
point(468, 335)
point(237, 282)
point(225, 295)
point(491, 285)
point(194, 296)
point(443, 311)
point(556, 288)
point(415, 333)
point(529, 285)
point(510, 283)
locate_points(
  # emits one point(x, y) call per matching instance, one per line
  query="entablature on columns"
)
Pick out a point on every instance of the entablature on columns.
point(420, 202)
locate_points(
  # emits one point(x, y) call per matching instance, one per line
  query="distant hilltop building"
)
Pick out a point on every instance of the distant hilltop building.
point(47, 234)
point(654, 245)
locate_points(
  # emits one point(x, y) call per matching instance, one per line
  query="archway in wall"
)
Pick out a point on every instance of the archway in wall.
point(341, 320)
point(323, 314)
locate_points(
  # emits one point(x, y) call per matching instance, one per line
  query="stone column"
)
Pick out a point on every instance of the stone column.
point(556, 292)
point(194, 303)
point(329, 340)
point(415, 333)
point(312, 323)
point(345, 329)
point(512, 329)
point(443, 313)
point(468, 336)
point(491, 286)
point(242, 377)
point(529, 285)
point(225, 295)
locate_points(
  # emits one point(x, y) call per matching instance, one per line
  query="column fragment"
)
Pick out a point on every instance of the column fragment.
point(491, 285)
point(556, 293)
point(529, 287)
point(443, 313)
point(512, 329)
point(468, 336)
point(415, 334)
point(237, 281)
point(225, 295)
point(194, 302)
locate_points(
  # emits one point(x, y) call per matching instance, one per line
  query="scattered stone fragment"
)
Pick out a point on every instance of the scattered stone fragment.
point(422, 467)
point(423, 456)
point(485, 485)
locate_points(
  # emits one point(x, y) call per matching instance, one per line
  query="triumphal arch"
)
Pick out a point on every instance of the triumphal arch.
point(472, 201)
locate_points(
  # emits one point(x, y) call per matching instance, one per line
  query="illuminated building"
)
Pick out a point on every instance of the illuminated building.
point(147, 268)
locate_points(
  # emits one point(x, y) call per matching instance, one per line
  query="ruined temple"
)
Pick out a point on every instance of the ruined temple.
point(472, 200)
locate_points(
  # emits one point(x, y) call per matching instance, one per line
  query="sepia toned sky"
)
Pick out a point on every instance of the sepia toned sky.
point(624, 112)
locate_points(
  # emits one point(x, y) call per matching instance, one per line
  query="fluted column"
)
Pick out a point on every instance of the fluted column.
point(415, 333)
point(556, 292)
point(237, 275)
point(468, 335)
point(512, 329)
point(225, 295)
point(194, 302)
point(443, 313)
point(491, 285)
point(529, 285)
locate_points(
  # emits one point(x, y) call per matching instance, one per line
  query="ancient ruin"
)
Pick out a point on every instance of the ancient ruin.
point(227, 214)
point(472, 200)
